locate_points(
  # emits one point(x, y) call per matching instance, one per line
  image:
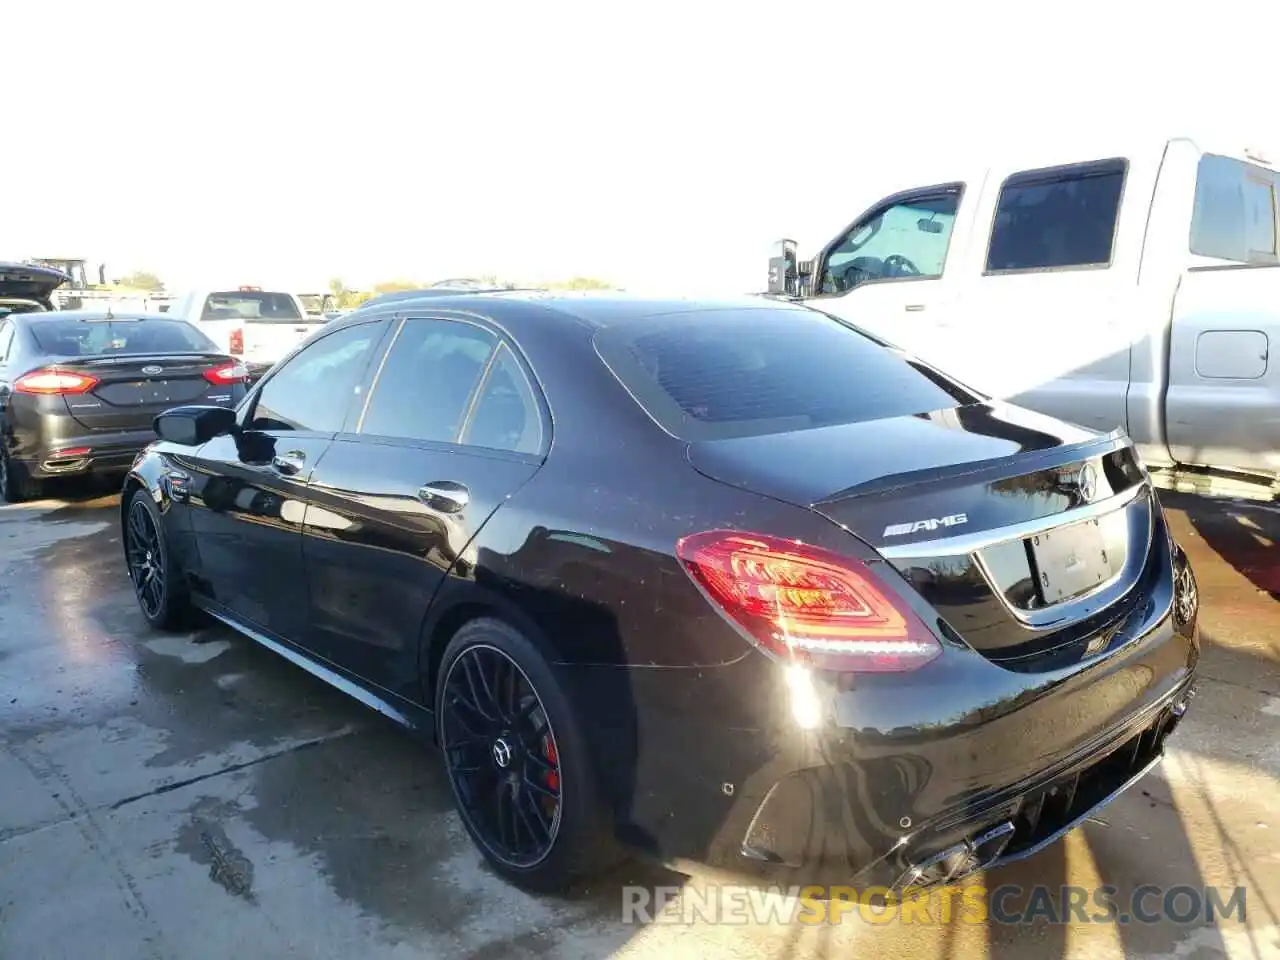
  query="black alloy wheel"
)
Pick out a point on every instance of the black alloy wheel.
point(502, 756)
point(147, 561)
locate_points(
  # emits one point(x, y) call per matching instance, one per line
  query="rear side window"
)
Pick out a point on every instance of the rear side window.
point(724, 373)
point(506, 415)
point(427, 381)
point(1057, 217)
point(1235, 211)
point(79, 338)
point(251, 305)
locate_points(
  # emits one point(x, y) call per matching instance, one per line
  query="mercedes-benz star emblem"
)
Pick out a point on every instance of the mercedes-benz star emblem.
point(501, 753)
point(151, 370)
point(1087, 483)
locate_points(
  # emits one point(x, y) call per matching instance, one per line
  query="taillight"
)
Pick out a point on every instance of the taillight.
point(807, 604)
point(227, 374)
point(54, 382)
point(236, 343)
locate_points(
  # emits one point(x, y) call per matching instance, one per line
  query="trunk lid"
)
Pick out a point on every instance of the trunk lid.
point(1020, 530)
point(132, 390)
point(24, 281)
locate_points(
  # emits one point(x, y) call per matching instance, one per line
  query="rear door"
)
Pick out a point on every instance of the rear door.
point(452, 427)
point(249, 491)
point(1052, 306)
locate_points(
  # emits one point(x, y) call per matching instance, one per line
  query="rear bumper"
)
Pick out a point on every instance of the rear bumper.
point(907, 780)
point(105, 453)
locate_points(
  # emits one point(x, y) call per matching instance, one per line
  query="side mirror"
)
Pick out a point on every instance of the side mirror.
point(194, 425)
point(782, 268)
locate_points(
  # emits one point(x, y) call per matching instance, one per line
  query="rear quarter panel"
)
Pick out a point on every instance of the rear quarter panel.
point(1223, 403)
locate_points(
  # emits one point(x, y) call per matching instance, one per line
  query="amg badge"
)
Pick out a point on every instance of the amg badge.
point(933, 523)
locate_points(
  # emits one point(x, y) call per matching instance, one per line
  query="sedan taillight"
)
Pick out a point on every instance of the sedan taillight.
point(53, 382)
point(226, 374)
point(807, 604)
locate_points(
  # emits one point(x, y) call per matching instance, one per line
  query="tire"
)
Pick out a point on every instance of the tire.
point(579, 839)
point(16, 485)
point(157, 581)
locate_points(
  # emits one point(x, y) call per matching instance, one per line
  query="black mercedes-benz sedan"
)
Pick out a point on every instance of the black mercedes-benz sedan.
point(79, 390)
point(732, 583)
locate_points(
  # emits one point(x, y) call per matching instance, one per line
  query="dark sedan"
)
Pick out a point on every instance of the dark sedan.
point(79, 390)
point(731, 583)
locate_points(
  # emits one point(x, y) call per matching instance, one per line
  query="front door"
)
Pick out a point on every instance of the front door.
point(248, 491)
point(452, 427)
point(885, 273)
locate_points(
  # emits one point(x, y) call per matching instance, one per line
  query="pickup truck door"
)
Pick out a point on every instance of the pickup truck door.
point(886, 273)
point(1047, 309)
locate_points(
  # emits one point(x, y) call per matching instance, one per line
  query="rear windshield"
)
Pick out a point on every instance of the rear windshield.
point(79, 338)
point(251, 305)
point(731, 373)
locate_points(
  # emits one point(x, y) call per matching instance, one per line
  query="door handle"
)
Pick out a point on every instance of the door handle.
point(445, 496)
point(289, 463)
point(914, 307)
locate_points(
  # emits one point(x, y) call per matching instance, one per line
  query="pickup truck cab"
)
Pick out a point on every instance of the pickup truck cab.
point(254, 325)
point(1135, 288)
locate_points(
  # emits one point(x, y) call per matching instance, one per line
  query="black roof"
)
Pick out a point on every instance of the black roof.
point(594, 309)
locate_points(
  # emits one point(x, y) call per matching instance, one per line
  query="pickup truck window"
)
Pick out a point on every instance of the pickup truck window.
point(1057, 217)
point(904, 238)
point(251, 305)
point(1235, 211)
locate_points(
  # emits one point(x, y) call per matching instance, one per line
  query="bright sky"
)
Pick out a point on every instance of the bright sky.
point(656, 145)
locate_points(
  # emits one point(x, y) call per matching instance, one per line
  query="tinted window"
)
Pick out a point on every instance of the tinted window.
point(78, 338)
point(1234, 216)
point(426, 383)
point(1062, 217)
point(506, 415)
point(250, 305)
point(907, 239)
point(736, 372)
point(313, 390)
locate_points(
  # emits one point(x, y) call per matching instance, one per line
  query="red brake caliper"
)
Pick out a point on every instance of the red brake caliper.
point(553, 775)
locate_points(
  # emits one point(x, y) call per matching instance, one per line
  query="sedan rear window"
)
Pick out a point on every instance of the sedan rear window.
point(79, 338)
point(251, 305)
point(712, 374)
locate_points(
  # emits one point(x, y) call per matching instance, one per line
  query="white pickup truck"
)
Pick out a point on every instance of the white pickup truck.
point(1135, 288)
point(260, 326)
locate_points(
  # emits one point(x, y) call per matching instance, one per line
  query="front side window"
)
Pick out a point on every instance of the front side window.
point(314, 389)
point(1057, 217)
point(907, 239)
point(426, 384)
point(1235, 214)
